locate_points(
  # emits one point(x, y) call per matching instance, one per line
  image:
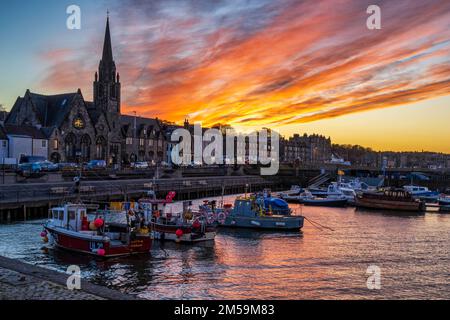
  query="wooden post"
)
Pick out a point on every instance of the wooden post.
point(24, 213)
point(8, 217)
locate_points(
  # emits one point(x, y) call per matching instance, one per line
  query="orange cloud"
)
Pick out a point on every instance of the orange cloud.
point(269, 63)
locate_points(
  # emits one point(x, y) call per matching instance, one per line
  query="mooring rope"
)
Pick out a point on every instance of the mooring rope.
point(318, 225)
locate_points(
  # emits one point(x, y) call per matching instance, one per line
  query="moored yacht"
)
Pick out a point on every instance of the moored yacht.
point(390, 199)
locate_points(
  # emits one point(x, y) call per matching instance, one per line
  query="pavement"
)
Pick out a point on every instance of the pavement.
point(22, 281)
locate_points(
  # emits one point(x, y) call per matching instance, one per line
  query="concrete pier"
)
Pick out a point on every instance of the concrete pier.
point(22, 281)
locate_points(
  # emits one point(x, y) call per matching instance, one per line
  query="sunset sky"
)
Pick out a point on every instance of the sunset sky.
point(296, 66)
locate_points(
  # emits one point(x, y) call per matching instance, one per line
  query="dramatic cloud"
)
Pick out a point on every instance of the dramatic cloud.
point(254, 63)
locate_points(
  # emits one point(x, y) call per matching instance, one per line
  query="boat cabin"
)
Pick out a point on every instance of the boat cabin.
point(69, 217)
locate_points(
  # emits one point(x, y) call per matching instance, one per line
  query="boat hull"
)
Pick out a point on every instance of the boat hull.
point(168, 232)
point(266, 223)
point(89, 244)
point(291, 199)
point(412, 206)
point(338, 203)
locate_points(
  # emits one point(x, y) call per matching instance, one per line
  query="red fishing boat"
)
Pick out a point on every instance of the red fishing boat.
point(68, 227)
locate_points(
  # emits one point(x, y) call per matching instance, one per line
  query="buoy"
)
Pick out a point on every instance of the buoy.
point(101, 252)
point(43, 234)
point(45, 239)
point(92, 226)
point(196, 224)
point(179, 233)
point(98, 223)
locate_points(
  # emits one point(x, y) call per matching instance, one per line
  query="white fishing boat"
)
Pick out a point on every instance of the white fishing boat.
point(294, 191)
point(422, 193)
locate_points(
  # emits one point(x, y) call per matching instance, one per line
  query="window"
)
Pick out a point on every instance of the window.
point(55, 144)
point(44, 143)
point(129, 141)
point(150, 143)
point(72, 214)
point(141, 142)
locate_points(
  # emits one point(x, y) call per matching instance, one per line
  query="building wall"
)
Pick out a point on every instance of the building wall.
point(70, 139)
point(4, 149)
point(40, 147)
point(20, 146)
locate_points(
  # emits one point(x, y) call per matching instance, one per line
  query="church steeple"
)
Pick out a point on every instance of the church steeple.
point(107, 48)
point(107, 83)
point(107, 67)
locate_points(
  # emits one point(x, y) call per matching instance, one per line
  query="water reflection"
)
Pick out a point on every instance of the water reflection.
point(318, 263)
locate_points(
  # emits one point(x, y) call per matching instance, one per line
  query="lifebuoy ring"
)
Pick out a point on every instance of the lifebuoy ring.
point(221, 217)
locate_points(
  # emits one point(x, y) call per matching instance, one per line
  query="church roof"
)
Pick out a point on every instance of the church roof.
point(141, 123)
point(12, 116)
point(94, 113)
point(52, 109)
point(28, 131)
point(3, 135)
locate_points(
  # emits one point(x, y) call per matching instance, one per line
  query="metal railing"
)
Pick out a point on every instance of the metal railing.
point(29, 193)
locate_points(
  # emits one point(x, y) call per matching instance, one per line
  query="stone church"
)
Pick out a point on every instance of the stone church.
point(79, 130)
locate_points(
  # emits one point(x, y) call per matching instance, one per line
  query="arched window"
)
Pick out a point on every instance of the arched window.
point(55, 157)
point(86, 147)
point(100, 148)
point(70, 146)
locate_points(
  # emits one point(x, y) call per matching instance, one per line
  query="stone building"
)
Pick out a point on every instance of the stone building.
point(79, 130)
point(305, 149)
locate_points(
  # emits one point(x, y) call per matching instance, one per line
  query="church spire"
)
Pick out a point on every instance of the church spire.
point(107, 48)
point(107, 81)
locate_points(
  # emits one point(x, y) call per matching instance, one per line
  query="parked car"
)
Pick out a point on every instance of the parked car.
point(31, 159)
point(48, 166)
point(32, 167)
point(140, 165)
point(96, 165)
point(68, 166)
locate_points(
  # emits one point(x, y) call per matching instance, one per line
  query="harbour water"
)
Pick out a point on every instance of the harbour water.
point(412, 252)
